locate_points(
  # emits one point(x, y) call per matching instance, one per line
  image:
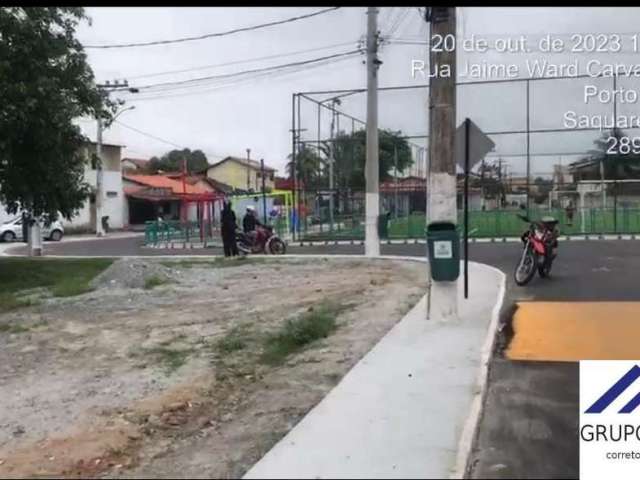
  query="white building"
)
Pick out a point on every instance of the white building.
point(113, 203)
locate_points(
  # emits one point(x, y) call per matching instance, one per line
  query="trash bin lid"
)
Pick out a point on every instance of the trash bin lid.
point(442, 225)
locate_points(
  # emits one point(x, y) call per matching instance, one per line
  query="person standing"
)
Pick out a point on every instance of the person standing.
point(570, 210)
point(228, 227)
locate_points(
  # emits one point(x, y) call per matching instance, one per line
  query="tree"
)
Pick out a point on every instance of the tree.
point(351, 154)
point(45, 83)
point(172, 161)
point(543, 188)
point(616, 165)
point(309, 167)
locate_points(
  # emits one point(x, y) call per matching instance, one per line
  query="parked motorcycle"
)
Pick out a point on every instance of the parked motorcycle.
point(539, 250)
point(262, 241)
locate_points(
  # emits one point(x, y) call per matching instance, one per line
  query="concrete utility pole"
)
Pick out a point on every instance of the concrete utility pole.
point(264, 192)
point(99, 180)
point(372, 206)
point(248, 169)
point(442, 126)
point(395, 171)
point(105, 89)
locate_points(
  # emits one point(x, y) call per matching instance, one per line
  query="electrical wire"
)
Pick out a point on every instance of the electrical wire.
point(198, 89)
point(212, 35)
point(401, 19)
point(385, 18)
point(245, 72)
point(238, 62)
point(149, 135)
point(161, 139)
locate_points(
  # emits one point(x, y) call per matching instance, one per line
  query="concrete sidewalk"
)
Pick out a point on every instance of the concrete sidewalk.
point(409, 408)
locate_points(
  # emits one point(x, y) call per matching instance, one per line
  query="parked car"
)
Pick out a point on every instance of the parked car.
point(12, 230)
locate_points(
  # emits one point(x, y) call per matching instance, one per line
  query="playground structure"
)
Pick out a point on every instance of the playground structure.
point(200, 214)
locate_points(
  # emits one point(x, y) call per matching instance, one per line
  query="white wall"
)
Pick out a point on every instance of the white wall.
point(113, 206)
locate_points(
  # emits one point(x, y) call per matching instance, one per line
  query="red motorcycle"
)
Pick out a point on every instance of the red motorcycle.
point(539, 251)
point(262, 240)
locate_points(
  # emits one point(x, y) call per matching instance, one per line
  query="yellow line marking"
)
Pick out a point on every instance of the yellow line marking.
point(573, 331)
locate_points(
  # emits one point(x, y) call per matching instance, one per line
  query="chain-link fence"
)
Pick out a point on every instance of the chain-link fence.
point(550, 156)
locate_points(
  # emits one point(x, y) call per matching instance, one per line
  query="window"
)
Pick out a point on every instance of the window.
point(112, 194)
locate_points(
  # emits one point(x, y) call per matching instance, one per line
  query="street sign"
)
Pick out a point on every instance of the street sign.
point(479, 145)
point(471, 145)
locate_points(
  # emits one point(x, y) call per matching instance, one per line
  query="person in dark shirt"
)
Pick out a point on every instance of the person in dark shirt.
point(250, 222)
point(228, 227)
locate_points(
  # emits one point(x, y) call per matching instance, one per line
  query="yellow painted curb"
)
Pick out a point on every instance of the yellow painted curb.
point(573, 331)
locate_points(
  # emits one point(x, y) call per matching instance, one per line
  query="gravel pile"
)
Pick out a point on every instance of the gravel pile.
point(130, 273)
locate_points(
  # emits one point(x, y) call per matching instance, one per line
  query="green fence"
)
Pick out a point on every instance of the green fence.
point(483, 224)
point(167, 232)
point(176, 231)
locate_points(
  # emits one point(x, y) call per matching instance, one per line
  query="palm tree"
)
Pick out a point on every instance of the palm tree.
point(309, 166)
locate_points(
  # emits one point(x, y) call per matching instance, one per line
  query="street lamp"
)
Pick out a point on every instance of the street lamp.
point(113, 119)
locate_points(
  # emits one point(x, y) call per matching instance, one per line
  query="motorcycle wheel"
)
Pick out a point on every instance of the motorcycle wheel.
point(276, 246)
point(544, 270)
point(526, 268)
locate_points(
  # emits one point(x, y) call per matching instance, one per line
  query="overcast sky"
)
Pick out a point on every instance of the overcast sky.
point(225, 117)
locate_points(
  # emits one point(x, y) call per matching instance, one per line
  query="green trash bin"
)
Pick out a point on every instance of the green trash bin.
point(443, 243)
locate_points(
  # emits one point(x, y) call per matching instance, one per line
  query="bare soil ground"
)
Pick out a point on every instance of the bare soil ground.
point(161, 373)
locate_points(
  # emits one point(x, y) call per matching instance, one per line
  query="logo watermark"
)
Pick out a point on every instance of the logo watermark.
point(609, 419)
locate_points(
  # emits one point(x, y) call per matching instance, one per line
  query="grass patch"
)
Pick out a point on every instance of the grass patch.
point(235, 340)
point(299, 332)
point(63, 277)
point(172, 358)
point(10, 301)
point(7, 328)
point(154, 281)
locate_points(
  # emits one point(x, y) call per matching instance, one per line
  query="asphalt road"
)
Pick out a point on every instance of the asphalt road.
point(530, 420)
point(584, 270)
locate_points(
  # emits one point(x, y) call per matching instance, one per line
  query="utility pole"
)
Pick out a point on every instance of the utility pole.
point(99, 180)
point(372, 205)
point(442, 206)
point(264, 192)
point(248, 170)
point(105, 90)
point(395, 170)
point(331, 162)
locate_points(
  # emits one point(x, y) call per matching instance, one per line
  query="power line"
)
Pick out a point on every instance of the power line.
point(198, 89)
point(149, 135)
point(385, 17)
point(245, 72)
point(217, 34)
point(238, 62)
point(209, 154)
point(401, 19)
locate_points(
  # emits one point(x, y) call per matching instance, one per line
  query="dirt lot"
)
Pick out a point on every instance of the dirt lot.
point(176, 370)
